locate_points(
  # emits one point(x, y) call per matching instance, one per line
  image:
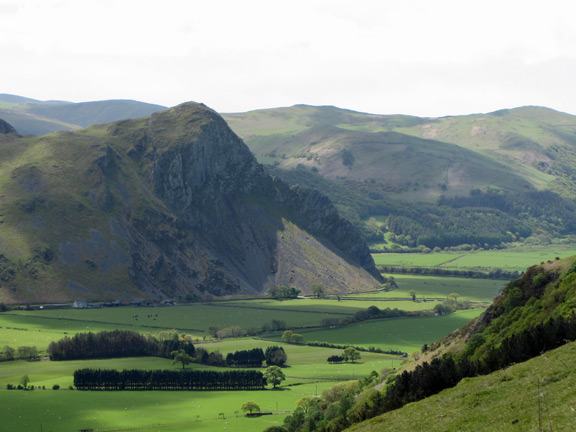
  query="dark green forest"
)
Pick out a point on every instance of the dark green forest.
point(483, 218)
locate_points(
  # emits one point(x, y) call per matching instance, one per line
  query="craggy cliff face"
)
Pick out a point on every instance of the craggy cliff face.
point(173, 205)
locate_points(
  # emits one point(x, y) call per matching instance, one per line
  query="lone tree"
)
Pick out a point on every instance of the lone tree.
point(413, 295)
point(181, 356)
point(317, 290)
point(250, 407)
point(24, 381)
point(351, 354)
point(274, 375)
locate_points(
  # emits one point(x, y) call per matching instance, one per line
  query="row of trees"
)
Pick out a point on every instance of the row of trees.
point(291, 337)
point(21, 353)
point(116, 343)
point(350, 354)
point(137, 379)
point(555, 211)
point(371, 349)
point(283, 292)
point(246, 358)
point(434, 271)
point(237, 331)
point(456, 226)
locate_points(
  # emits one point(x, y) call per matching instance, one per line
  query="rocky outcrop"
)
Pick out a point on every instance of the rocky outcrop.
point(6, 128)
point(175, 205)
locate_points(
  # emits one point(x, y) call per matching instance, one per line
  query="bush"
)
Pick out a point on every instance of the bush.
point(55, 387)
point(9, 387)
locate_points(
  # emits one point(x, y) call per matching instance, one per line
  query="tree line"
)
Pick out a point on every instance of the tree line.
point(357, 348)
point(446, 227)
point(137, 379)
point(21, 353)
point(246, 358)
point(116, 343)
point(548, 207)
point(434, 271)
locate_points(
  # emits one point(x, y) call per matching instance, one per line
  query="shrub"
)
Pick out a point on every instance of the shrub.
point(55, 387)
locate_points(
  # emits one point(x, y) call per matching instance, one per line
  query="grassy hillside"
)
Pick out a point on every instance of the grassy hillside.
point(533, 315)
point(522, 139)
point(537, 395)
point(427, 169)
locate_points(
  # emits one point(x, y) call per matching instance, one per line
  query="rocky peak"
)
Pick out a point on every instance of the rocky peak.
point(174, 205)
point(6, 128)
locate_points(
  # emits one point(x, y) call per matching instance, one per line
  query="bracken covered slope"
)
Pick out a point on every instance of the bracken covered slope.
point(171, 205)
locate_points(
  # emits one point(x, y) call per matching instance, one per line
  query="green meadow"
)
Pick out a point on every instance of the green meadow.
point(307, 372)
point(402, 334)
point(513, 259)
point(70, 411)
point(427, 287)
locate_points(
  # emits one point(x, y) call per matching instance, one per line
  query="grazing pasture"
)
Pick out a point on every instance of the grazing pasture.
point(307, 372)
point(427, 287)
point(403, 334)
point(513, 259)
point(72, 410)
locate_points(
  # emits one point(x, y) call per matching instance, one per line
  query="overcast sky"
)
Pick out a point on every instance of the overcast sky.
point(419, 57)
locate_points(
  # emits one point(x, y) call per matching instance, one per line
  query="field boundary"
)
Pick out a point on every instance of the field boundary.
point(100, 322)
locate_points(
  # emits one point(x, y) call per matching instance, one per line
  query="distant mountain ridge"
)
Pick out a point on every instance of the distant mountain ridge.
point(167, 206)
point(473, 181)
point(34, 117)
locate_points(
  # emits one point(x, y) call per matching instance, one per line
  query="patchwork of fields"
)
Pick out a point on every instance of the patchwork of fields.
point(517, 259)
point(308, 373)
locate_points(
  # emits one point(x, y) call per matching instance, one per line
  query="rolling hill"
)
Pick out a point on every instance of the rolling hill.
point(426, 169)
point(34, 117)
point(481, 180)
point(168, 206)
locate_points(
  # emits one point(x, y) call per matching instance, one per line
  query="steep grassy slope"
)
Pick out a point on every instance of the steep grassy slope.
point(171, 205)
point(533, 315)
point(537, 395)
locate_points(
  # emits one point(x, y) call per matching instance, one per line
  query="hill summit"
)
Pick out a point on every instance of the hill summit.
point(171, 205)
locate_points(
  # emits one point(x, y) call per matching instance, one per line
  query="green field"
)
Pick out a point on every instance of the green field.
point(474, 290)
point(70, 411)
point(307, 373)
point(40, 327)
point(403, 334)
point(516, 259)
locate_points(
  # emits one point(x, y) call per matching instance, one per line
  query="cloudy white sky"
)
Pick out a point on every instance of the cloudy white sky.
point(419, 57)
